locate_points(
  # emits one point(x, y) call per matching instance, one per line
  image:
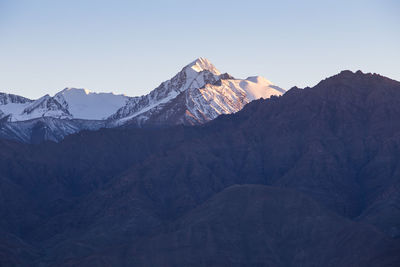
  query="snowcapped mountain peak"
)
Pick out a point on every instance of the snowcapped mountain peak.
point(12, 99)
point(259, 79)
point(84, 91)
point(83, 104)
point(72, 90)
point(202, 64)
point(194, 75)
point(196, 94)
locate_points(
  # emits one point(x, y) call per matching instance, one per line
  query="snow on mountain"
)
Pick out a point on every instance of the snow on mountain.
point(12, 104)
point(207, 94)
point(197, 94)
point(258, 87)
point(195, 75)
point(225, 97)
point(12, 99)
point(52, 118)
point(202, 64)
point(199, 105)
point(70, 103)
point(83, 104)
point(45, 106)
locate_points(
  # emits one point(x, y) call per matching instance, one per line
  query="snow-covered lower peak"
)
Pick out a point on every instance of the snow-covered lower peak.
point(70, 103)
point(83, 104)
point(45, 106)
point(249, 89)
point(258, 87)
point(12, 104)
point(226, 96)
point(259, 80)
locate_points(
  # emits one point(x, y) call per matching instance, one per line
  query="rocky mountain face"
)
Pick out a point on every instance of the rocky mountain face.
point(70, 103)
point(195, 75)
point(52, 118)
point(310, 178)
point(197, 94)
point(12, 99)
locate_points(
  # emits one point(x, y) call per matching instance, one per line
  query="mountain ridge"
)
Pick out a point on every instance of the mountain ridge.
point(310, 177)
point(160, 107)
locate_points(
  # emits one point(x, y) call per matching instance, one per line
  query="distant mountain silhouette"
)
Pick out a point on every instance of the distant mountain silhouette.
point(311, 178)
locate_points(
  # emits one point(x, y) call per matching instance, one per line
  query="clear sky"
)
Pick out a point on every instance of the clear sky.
point(132, 46)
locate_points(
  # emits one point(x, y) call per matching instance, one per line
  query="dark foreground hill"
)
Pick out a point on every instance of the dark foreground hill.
point(329, 156)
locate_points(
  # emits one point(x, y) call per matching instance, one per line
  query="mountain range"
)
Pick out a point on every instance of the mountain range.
point(197, 94)
point(310, 178)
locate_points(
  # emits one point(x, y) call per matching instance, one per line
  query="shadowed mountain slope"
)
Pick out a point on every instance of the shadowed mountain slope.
point(119, 196)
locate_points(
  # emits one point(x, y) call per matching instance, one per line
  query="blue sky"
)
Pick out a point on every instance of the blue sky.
point(132, 46)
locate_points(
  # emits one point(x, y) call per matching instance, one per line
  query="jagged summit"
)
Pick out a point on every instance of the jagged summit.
point(348, 74)
point(357, 80)
point(201, 64)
